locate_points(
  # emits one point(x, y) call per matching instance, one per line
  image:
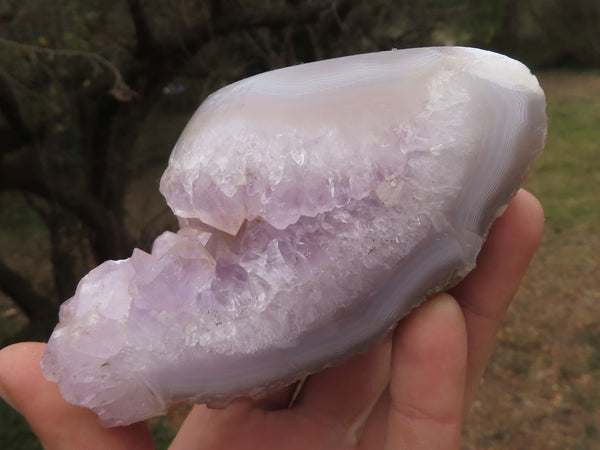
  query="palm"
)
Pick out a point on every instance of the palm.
point(411, 391)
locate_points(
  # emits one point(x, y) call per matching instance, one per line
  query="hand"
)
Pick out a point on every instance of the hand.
point(411, 391)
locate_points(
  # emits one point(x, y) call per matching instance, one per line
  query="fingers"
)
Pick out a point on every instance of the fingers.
point(223, 428)
point(345, 395)
point(206, 427)
point(487, 292)
point(375, 430)
point(329, 413)
point(429, 358)
point(424, 404)
point(58, 424)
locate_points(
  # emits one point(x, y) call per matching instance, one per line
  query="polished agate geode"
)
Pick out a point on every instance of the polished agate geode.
point(318, 205)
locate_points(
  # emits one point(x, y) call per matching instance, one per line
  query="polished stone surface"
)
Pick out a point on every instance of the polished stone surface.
point(318, 205)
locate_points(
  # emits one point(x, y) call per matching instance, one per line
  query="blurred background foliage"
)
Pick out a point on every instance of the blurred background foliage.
point(94, 94)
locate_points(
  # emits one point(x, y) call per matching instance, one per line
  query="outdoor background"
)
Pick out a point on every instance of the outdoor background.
point(93, 95)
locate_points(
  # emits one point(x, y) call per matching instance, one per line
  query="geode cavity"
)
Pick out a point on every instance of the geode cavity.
point(318, 204)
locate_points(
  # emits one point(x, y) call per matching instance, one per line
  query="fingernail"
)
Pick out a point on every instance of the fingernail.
point(443, 300)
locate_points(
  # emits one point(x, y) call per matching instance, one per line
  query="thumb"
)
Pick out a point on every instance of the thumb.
point(58, 425)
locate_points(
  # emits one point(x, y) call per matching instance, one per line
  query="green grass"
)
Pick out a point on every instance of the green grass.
point(162, 433)
point(15, 433)
point(567, 177)
point(18, 220)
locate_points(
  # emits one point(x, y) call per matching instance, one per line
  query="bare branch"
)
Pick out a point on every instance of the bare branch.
point(20, 134)
point(238, 20)
point(22, 175)
point(146, 44)
point(120, 90)
point(220, 8)
point(19, 289)
point(271, 18)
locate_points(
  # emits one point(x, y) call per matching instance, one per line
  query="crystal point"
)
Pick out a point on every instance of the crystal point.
point(318, 205)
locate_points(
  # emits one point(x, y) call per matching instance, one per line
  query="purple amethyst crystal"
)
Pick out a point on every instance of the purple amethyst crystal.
point(318, 205)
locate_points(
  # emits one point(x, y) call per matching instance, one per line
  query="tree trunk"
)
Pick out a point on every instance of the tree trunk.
point(506, 40)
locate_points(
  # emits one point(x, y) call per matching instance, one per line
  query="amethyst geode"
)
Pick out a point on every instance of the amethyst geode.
point(318, 204)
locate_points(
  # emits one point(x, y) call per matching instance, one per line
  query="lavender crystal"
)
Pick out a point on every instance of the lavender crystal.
point(318, 205)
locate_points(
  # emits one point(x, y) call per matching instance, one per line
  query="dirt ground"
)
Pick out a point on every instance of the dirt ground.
point(542, 387)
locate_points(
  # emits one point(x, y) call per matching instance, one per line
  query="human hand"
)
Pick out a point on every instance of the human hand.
point(411, 391)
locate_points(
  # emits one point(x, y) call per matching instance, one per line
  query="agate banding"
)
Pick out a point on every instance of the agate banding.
point(318, 205)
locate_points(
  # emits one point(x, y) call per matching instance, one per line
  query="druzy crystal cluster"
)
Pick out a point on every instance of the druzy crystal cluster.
point(318, 204)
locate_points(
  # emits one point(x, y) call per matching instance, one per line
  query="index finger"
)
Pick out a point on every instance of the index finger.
point(486, 293)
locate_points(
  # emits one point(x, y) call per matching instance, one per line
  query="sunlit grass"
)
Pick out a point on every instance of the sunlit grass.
point(567, 177)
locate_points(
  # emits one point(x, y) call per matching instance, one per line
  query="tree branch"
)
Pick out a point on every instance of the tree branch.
point(196, 36)
point(120, 90)
point(220, 8)
point(33, 305)
point(20, 134)
point(21, 175)
point(146, 43)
